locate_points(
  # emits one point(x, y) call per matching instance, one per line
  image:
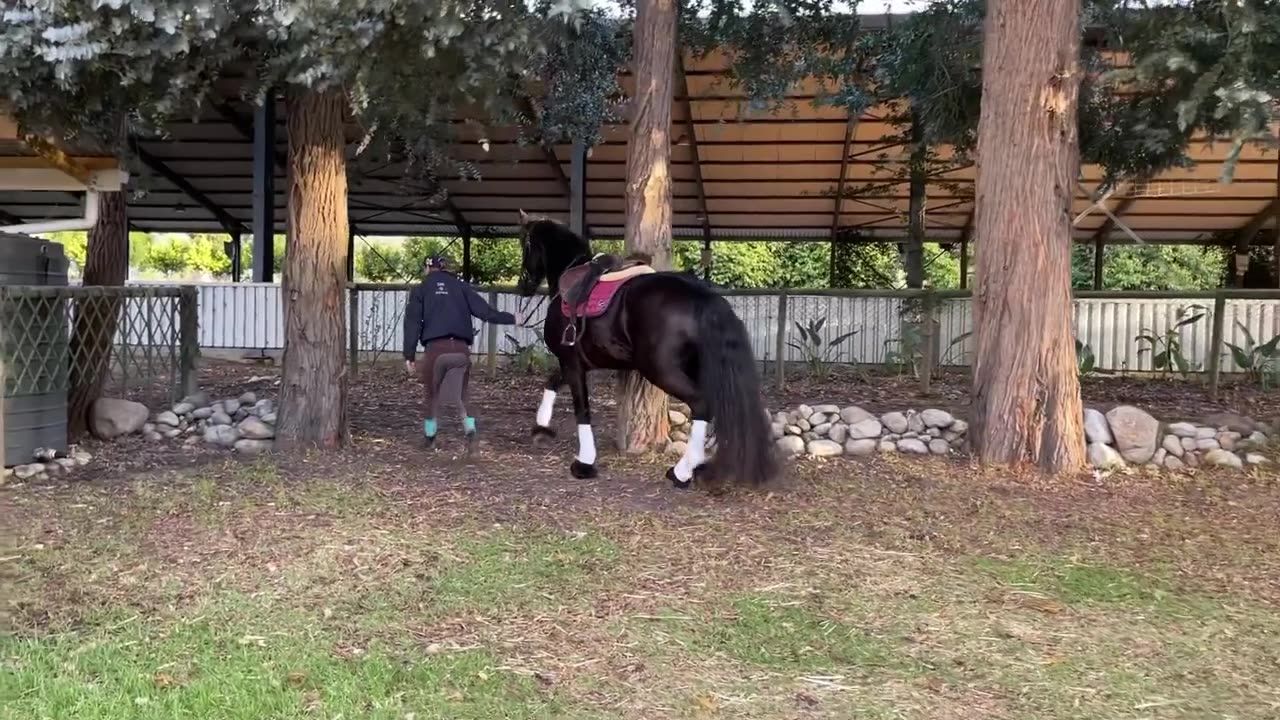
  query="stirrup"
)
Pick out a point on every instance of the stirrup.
point(569, 337)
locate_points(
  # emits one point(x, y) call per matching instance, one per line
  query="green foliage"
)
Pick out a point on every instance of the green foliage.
point(1260, 362)
point(1206, 66)
point(817, 351)
point(1150, 267)
point(1166, 349)
point(531, 359)
point(1086, 362)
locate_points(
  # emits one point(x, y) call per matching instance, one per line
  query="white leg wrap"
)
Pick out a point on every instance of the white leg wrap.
point(586, 445)
point(696, 453)
point(543, 417)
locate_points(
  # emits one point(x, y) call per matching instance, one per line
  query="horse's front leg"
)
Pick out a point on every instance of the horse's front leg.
point(542, 421)
point(584, 465)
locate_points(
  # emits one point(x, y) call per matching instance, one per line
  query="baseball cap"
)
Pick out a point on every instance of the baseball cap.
point(435, 261)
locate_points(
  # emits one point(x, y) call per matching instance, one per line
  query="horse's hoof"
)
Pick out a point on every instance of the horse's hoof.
point(541, 434)
point(676, 482)
point(582, 471)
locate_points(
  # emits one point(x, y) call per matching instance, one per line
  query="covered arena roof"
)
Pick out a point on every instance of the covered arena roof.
point(737, 173)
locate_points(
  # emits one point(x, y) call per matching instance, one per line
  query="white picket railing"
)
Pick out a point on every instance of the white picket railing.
point(249, 317)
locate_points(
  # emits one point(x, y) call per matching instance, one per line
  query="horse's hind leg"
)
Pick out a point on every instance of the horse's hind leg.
point(679, 383)
point(584, 465)
point(542, 421)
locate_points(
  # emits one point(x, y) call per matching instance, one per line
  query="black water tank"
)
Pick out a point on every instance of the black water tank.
point(34, 341)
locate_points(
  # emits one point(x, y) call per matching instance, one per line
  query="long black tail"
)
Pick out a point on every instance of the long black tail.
point(731, 388)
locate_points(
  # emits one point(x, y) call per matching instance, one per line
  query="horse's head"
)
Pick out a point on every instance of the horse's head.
point(547, 248)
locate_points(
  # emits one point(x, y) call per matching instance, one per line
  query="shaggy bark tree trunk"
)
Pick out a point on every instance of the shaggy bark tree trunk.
point(313, 394)
point(913, 259)
point(642, 410)
point(96, 317)
point(1026, 394)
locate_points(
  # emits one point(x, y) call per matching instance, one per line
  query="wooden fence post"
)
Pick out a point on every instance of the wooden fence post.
point(1215, 342)
point(780, 351)
point(188, 339)
point(929, 339)
point(491, 357)
point(353, 331)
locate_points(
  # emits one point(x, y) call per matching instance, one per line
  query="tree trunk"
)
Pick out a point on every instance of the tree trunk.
point(313, 394)
point(96, 317)
point(1026, 394)
point(913, 258)
point(642, 410)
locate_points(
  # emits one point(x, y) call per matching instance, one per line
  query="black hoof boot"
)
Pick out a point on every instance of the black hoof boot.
point(472, 442)
point(582, 471)
point(429, 442)
point(676, 482)
point(542, 435)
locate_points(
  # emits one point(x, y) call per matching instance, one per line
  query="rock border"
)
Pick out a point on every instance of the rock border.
point(1125, 436)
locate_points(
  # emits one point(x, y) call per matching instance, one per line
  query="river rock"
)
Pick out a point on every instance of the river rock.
point(862, 447)
point(152, 436)
point(888, 446)
point(853, 415)
point(822, 430)
point(824, 448)
point(1256, 459)
point(1173, 445)
point(915, 424)
point(826, 409)
point(1105, 457)
point(1173, 463)
point(1158, 459)
point(793, 430)
point(1204, 433)
point(221, 435)
point(230, 406)
point(203, 413)
point(1232, 421)
point(939, 447)
point(790, 445)
point(1188, 443)
point(676, 417)
point(1096, 428)
point(912, 446)
point(1182, 430)
point(1136, 433)
point(182, 408)
point(804, 411)
point(777, 430)
point(935, 418)
point(168, 418)
point(114, 417)
point(219, 418)
point(868, 428)
point(1223, 458)
point(959, 427)
point(1207, 444)
point(1228, 439)
point(252, 447)
point(839, 432)
point(804, 425)
point(676, 435)
point(895, 421)
point(677, 447)
point(28, 471)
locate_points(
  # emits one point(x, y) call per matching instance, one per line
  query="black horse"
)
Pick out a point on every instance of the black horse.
point(671, 328)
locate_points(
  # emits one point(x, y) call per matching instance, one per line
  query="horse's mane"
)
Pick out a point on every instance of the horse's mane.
point(556, 236)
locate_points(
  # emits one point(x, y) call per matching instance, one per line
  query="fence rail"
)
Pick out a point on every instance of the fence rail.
point(139, 339)
point(887, 325)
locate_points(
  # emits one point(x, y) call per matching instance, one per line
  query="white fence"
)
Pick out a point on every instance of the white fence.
point(249, 317)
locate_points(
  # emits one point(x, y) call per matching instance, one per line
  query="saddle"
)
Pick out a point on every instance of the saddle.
point(588, 289)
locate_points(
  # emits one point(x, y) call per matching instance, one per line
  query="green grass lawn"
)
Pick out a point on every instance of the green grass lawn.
point(242, 592)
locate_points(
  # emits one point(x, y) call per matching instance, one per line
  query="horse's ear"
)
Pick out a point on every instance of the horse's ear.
point(524, 217)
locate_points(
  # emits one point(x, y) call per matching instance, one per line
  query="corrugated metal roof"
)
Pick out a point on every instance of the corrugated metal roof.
point(764, 176)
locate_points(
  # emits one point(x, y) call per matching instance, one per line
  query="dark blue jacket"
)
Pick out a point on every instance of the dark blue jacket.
point(442, 307)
